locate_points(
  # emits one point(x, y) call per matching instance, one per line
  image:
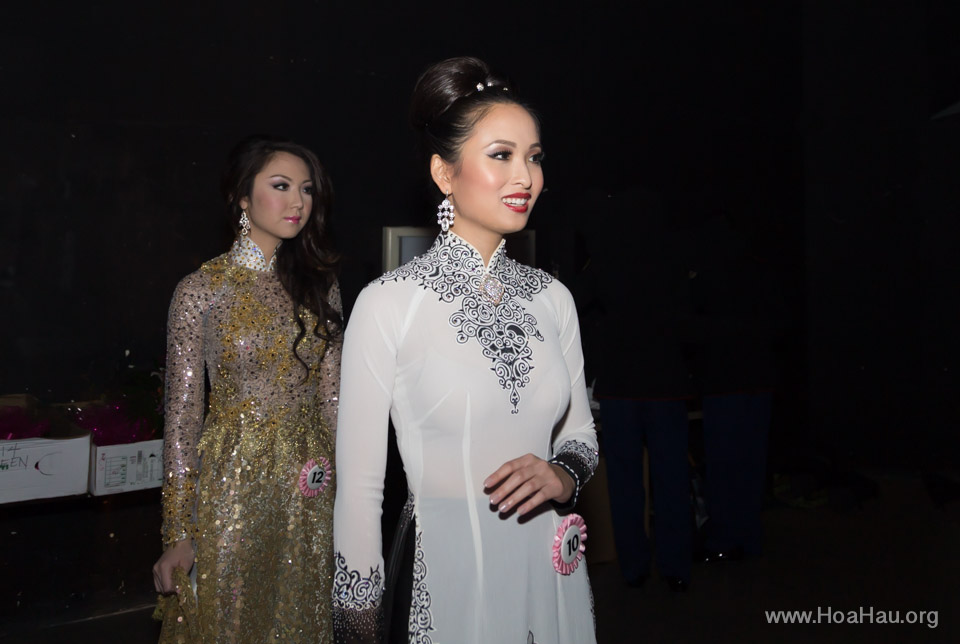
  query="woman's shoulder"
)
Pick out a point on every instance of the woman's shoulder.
point(545, 288)
point(218, 265)
point(536, 281)
point(203, 279)
point(390, 286)
point(558, 292)
point(532, 273)
point(406, 276)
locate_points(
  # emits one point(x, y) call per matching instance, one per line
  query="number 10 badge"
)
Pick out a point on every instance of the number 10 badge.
point(568, 544)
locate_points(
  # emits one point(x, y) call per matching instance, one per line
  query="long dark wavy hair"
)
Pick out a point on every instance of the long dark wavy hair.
point(307, 265)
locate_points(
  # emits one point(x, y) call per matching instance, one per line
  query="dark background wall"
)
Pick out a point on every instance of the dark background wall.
point(807, 123)
point(881, 243)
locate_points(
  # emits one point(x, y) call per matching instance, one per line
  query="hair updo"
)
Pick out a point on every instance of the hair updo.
point(450, 98)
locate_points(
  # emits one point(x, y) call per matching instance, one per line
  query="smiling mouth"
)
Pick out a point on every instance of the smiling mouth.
point(517, 203)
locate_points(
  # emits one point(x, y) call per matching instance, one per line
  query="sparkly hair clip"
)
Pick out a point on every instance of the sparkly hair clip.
point(481, 87)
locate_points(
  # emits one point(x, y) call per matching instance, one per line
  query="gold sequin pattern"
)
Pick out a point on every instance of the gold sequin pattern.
point(264, 549)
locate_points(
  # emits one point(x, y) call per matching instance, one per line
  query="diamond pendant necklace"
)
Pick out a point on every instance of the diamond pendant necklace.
point(491, 289)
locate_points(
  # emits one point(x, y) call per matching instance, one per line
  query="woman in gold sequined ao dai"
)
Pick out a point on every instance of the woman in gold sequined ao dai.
point(248, 488)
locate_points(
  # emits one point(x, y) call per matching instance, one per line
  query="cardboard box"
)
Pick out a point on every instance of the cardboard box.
point(24, 401)
point(41, 468)
point(124, 468)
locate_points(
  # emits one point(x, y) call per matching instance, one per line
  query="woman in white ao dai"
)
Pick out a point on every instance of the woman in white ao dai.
point(477, 361)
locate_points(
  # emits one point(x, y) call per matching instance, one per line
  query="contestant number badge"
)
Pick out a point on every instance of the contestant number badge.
point(568, 544)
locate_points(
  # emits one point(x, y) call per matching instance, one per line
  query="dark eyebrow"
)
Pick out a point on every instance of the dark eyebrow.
point(513, 145)
point(283, 176)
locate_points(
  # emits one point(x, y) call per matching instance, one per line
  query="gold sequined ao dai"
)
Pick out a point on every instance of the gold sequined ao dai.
point(235, 476)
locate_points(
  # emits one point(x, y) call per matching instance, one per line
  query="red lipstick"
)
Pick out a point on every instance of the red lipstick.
point(521, 202)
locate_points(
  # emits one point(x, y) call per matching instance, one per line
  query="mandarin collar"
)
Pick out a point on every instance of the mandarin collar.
point(247, 254)
point(450, 238)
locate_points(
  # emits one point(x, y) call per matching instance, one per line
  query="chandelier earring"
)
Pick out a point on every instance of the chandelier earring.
point(445, 214)
point(244, 223)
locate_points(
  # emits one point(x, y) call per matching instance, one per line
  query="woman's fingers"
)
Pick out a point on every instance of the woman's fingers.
point(179, 555)
point(533, 503)
point(524, 489)
point(506, 470)
point(516, 472)
point(528, 479)
point(166, 579)
point(162, 578)
point(507, 488)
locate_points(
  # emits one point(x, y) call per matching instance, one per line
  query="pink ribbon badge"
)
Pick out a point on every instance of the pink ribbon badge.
point(568, 546)
point(315, 476)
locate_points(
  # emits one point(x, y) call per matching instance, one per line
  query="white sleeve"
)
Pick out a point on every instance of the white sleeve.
point(575, 437)
point(366, 390)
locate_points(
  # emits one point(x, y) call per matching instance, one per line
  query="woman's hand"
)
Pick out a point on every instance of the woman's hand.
point(179, 555)
point(530, 478)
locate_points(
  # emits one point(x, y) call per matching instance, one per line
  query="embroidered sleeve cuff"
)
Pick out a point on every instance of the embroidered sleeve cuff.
point(579, 460)
point(357, 605)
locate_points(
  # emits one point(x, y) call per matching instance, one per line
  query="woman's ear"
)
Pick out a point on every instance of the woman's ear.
point(244, 203)
point(440, 170)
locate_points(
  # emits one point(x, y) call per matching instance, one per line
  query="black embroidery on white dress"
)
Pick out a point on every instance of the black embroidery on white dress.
point(421, 620)
point(453, 269)
point(587, 456)
point(350, 590)
point(580, 461)
point(357, 605)
point(593, 608)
